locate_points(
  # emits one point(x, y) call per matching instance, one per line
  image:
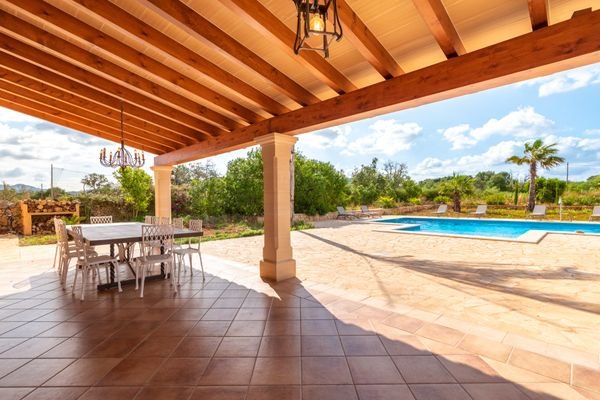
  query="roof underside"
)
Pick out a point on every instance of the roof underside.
point(202, 74)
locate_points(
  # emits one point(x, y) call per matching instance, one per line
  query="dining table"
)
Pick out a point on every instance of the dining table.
point(124, 235)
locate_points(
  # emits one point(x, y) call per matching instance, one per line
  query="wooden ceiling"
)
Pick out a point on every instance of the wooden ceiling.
point(197, 78)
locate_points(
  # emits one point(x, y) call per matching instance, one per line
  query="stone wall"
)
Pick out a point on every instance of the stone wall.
point(10, 217)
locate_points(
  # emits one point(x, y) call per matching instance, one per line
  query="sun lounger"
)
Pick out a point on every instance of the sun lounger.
point(342, 213)
point(539, 211)
point(442, 209)
point(595, 213)
point(481, 211)
point(365, 212)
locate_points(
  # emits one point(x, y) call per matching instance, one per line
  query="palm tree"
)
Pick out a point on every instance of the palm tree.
point(458, 186)
point(536, 154)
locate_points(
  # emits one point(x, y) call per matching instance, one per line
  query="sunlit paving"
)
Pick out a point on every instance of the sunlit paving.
point(299, 200)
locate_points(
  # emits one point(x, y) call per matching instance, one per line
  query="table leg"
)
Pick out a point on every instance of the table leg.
point(112, 268)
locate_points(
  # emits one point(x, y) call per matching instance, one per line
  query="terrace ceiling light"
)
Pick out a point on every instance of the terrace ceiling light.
point(317, 18)
point(122, 157)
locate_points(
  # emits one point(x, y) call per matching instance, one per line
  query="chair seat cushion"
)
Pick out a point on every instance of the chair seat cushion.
point(185, 250)
point(153, 259)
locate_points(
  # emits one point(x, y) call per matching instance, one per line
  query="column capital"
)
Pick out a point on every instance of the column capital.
point(275, 138)
point(157, 168)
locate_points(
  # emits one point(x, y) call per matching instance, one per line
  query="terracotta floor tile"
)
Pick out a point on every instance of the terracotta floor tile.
point(132, 372)
point(359, 327)
point(233, 302)
point(325, 371)
point(257, 302)
point(276, 371)
point(58, 315)
point(441, 334)
point(8, 365)
point(197, 347)
point(315, 313)
point(279, 346)
point(329, 392)
point(29, 329)
point(541, 365)
point(59, 393)
point(65, 329)
point(208, 294)
point(516, 374)
point(73, 348)
point(165, 393)
point(422, 369)
point(407, 345)
point(553, 391)
point(408, 324)
point(478, 345)
point(282, 328)
point(363, 346)
point(318, 327)
point(156, 346)
point(180, 371)
point(210, 328)
point(228, 371)
point(9, 326)
point(188, 314)
point(470, 369)
point(286, 302)
point(32, 348)
point(246, 328)
point(274, 393)
point(322, 346)
point(374, 370)
point(110, 393)
point(384, 392)
point(27, 315)
point(101, 329)
point(219, 393)
point(35, 372)
point(220, 314)
point(440, 348)
point(252, 314)
point(83, 372)
point(115, 347)
point(137, 329)
point(439, 392)
point(238, 292)
point(284, 314)
point(494, 391)
point(174, 328)
point(238, 347)
point(14, 393)
point(200, 303)
point(9, 343)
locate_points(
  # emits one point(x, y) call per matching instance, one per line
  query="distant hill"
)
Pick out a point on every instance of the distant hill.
point(21, 188)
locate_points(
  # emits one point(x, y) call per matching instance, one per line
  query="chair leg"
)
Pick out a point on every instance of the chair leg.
point(75, 279)
point(201, 265)
point(191, 266)
point(84, 279)
point(143, 280)
point(116, 267)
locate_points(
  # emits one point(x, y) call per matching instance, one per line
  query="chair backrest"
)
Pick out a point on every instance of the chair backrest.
point(539, 209)
point(162, 220)
point(81, 246)
point(596, 210)
point(154, 236)
point(196, 226)
point(104, 219)
point(149, 219)
point(177, 223)
point(481, 209)
point(341, 210)
point(364, 208)
point(61, 231)
point(442, 208)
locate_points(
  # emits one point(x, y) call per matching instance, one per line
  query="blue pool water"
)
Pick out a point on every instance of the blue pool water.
point(491, 228)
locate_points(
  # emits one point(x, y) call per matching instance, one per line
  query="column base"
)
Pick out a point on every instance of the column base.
point(278, 271)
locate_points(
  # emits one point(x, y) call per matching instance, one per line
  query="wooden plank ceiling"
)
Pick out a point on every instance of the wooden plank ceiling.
point(197, 78)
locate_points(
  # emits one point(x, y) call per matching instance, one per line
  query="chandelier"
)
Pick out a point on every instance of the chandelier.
point(317, 18)
point(122, 157)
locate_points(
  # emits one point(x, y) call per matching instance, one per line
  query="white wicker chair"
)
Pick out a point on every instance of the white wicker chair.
point(104, 219)
point(154, 237)
point(149, 219)
point(88, 260)
point(162, 220)
point(190, 250)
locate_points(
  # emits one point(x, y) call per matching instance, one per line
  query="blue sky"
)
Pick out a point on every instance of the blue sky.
point(463, 135)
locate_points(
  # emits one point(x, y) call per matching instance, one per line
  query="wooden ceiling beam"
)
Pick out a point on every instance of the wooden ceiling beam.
point(538, 13)
point(366, 43)
point(63, 118)
point(20, 66)
point(57, 96)
point(73, 26)
point(562, 46)
point(218, 40)
point(437, 19)
point(163, 115)
point(113, 14)
point(261, 19)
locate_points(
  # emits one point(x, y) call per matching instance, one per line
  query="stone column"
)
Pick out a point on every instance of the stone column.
point(162, 190)
point(277, 263)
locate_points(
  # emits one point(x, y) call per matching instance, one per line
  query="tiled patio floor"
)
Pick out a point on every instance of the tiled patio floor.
point(236, 337)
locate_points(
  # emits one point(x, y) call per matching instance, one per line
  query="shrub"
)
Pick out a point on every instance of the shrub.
point(415, 201)
point(386, 202)
point(442, 200)
point(430, 194)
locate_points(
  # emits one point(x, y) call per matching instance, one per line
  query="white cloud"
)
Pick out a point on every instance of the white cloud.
point(387, 137)
point(7, 115)
point(522, 123)
point(327, 138)
point(566, 81)
point(592, 132)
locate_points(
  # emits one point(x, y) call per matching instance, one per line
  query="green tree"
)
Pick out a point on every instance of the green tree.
point(550, 189)
point(457, 187)
point(536, 154)
point(208, 197)
point(367, 184)
point(244, 185)
point(8, 193)
point(319, 187)
point(94, 182)
point(136, 186)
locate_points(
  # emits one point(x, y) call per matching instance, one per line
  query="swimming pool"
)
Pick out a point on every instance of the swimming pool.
point(492, 228)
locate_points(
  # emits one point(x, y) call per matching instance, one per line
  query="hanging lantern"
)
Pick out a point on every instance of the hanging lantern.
point(122, 157)
point(317, 18)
